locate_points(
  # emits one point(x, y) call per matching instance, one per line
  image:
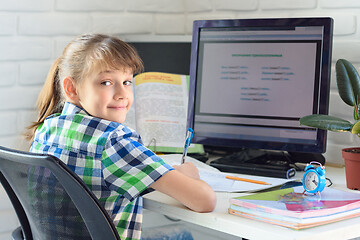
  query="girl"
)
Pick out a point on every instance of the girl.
point(82, 106)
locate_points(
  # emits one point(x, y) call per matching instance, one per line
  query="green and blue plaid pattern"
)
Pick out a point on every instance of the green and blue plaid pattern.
point(109, 157)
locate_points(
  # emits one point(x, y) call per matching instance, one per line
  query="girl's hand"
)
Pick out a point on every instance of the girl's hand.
point(184, 184)
point(188, 169)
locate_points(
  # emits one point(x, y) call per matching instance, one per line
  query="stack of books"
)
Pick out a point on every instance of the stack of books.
point(293, 209)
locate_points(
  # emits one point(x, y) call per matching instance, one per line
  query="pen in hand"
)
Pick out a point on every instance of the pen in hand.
point(189, 136)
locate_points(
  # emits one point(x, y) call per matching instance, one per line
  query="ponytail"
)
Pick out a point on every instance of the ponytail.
point(49, 100)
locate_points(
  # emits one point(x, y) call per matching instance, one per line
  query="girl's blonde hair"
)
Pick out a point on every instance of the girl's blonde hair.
point(84, 55)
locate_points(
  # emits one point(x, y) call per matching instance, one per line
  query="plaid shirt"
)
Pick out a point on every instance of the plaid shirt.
point(109, 157)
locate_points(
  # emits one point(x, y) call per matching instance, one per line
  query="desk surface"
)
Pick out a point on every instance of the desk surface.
point(220, 220)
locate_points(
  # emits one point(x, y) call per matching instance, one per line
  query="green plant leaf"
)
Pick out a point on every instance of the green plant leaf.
point(356, 112)
point(348, 81)
point(356, 128)
point(326, 122)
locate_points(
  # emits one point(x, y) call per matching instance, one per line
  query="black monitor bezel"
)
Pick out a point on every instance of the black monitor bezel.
point(326, 23)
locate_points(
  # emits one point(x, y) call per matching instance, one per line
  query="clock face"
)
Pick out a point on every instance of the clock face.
point(311, 181)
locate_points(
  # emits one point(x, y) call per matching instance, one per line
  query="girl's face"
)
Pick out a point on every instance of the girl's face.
point(107, 95)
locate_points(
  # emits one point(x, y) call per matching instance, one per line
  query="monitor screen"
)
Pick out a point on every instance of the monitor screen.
point(251, 80)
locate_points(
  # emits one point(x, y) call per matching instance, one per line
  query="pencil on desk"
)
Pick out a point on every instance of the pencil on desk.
point(247, 180)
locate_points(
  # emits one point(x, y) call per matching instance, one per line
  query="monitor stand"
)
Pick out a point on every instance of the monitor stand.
point(264, 163)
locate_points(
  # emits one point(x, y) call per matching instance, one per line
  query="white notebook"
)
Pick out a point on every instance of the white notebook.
point(216, 179)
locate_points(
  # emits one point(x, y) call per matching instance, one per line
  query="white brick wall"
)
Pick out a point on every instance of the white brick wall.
point(51, 24)
point(33, 33)
point(288, 4)
point(90, 5)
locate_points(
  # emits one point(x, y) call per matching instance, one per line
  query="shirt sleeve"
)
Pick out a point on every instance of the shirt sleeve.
point(129, 167)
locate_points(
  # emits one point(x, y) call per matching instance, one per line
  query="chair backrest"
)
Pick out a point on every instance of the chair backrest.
point(51, 201)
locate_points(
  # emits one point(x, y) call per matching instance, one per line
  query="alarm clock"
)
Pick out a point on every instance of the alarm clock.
point(314, 178)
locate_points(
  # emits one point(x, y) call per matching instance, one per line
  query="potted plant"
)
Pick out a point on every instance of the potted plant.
point(348, 83)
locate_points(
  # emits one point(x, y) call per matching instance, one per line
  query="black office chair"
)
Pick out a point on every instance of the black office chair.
point(51, 201)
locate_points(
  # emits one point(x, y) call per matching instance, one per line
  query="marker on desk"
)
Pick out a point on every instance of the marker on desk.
point(247, 180)
point(189, 136)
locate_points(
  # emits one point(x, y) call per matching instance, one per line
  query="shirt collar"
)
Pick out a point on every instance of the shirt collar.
point(70, 108)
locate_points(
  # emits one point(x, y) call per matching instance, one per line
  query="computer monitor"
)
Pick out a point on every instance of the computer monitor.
point(251, 80)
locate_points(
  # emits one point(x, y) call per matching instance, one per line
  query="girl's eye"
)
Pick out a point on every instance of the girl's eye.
point(127, 83)
point(106, 83)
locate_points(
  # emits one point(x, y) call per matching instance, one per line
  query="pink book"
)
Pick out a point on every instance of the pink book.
point(292, 202)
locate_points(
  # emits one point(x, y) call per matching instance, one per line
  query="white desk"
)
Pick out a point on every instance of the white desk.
point(220, 220)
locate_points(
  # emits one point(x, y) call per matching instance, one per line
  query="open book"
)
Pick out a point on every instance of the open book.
point(159, 111)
